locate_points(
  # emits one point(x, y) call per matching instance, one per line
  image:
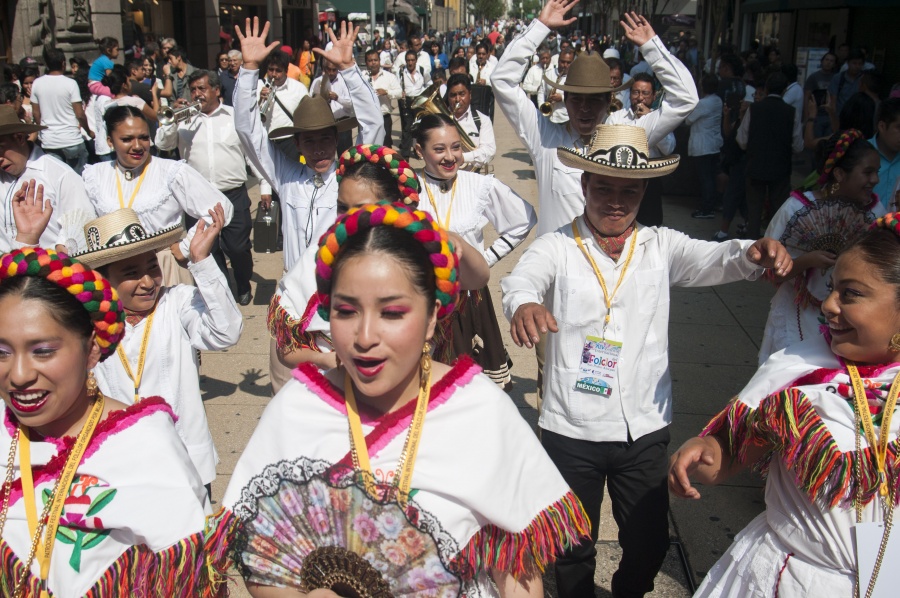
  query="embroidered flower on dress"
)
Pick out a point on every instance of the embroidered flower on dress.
point(79, 524)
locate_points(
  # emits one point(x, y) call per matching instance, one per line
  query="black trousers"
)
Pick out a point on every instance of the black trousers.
point(763, 199)
point(407, 117)
point(234, 240)
point(344, 141)
point(635, 472)
point(388, 132)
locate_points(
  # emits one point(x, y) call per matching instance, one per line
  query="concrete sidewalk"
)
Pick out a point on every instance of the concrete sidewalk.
point(713, 343)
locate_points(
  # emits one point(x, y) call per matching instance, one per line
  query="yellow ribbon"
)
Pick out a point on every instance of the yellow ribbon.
point(136, 188)
point(880, 444)
point(142, 357)
point(446, 223)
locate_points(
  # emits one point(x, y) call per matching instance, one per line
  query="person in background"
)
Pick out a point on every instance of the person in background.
point(221, 62)
point(288, 95)
point(793, 96)
point(481, 68)
point(332, 87)
point(476, 124)
point(846, 83)
point(387, 88)
point(29, 74)
point(887, 142)
point(705, 142)
point(617, 78)
point(535, 76)
point(11, 95)
point(228, 78)
point(414, 80)
point(209, 143)
point(438, 58)
point(138, 88)
point(293, 71)
point(816, 86)
point(423, 59)
point(555, 96)
point(307, 63)
point(109, 51)
point(58, 109)
point(78, 64)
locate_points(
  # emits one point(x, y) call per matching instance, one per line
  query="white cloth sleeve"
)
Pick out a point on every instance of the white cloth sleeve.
point(511, 216)
point(366, 107)
point(395, 92)
point(534, 275)
point(197, 196)
point(167, 137)
point(72, 210)
point(694, 263)
point(487, 145)
point(261, 152)
point(681, 92)
point(211, 318)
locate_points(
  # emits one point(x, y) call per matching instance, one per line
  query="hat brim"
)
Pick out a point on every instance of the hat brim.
point(107, 255)
point(20, 128)
point(343, 124)
point(587, 89)
point(656, 167)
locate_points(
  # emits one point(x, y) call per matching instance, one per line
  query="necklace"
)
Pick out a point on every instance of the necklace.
point(128, 176)
point(445, 224)
point(879, 446)
point(49, 518)
point(142, 357)
point(360, 452)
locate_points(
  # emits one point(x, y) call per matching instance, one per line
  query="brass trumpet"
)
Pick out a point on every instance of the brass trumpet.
point(167, 116)
point(270, 101)
point(546, 108)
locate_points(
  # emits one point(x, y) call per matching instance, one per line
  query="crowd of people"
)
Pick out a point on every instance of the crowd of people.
point(128, 211)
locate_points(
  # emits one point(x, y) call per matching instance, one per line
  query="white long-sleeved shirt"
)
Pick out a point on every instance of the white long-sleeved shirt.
point(170, 189)
point(553, 271)
point(63, 189)
point(706, 126)
point(485, 73)
point(210, 145)
point(559, 186)
point(413, 83)
point(679, 101)
point(793, 96)
point(289, 94)
point(389, 82)
point(534, 79)
point(308, 210)
point(743, 132)
point(483, 138)
point(187, 318)
point(559, 115)
point(342, 107)
point(476, 201)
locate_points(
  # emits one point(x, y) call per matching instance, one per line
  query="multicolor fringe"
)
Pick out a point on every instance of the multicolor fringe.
point(288, 331)
point(787, 423)
point(442, 341)
point(221, 530)
point(556, 529)
point(193, 567)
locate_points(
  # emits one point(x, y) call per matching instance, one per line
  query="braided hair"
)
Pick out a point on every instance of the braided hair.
point(353, 162)
point(844, 149)
point(410, 236)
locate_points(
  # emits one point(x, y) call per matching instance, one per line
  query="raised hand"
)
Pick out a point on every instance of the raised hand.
point(553, 15)
point(341, 52)
point(205, 235)
point(29, 212)
point(637, 28)
point(253, 45)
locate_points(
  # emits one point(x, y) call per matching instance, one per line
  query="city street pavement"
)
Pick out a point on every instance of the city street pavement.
point(714, 338)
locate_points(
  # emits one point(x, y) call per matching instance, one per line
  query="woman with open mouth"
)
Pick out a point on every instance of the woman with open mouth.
point(362, 477)
point(98, 498)
point(465, 202)
point(817, 419)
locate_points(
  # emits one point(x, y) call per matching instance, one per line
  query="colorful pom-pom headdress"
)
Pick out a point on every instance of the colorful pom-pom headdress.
point(837, 154)
point(888, 222)
point(94, 292)
point(418, 224)
point(391, 161)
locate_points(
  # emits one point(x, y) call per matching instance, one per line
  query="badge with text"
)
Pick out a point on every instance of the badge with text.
point(599, 364)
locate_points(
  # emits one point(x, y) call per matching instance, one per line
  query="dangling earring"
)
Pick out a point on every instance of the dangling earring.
point(425, 362)
point(92, 389)
point(895, 343)
point(835, 186)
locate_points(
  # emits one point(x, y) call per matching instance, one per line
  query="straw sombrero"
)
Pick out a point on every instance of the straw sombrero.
point(314, 114)
point(619, 151)
point(120, 235)
point(588, 74)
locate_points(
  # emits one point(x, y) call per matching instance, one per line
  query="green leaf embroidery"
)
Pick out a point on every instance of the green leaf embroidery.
point(94, 538)
point(101, 501)
point(65, 535)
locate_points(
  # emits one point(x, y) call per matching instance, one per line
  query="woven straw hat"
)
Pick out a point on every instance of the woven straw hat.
point(120, 235)
point(588, 74)
point(10, 123)
point(618, 151)
point(314, 114)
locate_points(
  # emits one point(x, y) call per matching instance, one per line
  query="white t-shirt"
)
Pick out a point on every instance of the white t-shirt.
point(55, 94)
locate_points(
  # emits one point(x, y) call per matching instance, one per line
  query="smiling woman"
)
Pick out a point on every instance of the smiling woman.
point(115, 519)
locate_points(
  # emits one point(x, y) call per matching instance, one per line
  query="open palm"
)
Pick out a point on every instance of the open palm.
point(253, 43)
point(30, 213)
point(553, 15)
point(341, 52)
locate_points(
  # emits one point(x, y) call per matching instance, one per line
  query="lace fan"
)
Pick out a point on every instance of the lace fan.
point(826, 225)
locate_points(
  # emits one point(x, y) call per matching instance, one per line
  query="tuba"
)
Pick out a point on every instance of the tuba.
point(430, 102)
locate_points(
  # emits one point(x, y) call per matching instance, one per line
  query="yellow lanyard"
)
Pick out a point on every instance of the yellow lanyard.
point(880, 444)
point(136, 188)
point(60, 493)
point(607, 298)
point(142, 357)
point(446, 223)
point(360, 452)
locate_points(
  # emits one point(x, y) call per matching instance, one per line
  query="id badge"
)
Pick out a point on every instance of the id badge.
point(868, 541)
point(598, 371)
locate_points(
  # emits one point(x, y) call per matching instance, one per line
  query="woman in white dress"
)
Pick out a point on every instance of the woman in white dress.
point(817, 420)
point(464, 202)
point(161, 191)
point(813, 225)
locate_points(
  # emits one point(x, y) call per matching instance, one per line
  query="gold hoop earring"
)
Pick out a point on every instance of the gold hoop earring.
point(895, 343)
point(93, 390)
point(425, 361)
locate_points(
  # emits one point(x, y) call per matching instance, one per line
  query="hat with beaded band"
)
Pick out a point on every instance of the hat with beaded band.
point(618, 151)
point(120, 235)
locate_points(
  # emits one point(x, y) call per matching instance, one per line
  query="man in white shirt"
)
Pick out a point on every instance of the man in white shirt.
point(617, 78)
point(279, 113)
point(330, 86)
point(308, 191)
point(556, 97)
point(608, 393)
point(209, 143)
point(423, 60)
point(413, 82)
point(482, 67)
point(534, 78)
point(22, 161)
point(476, 124)
point(387, 88)
point(56, 104)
